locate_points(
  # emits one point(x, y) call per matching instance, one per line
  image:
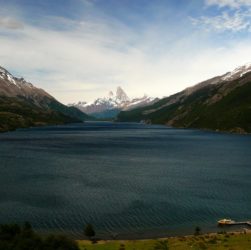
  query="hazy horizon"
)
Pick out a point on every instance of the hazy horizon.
point(78, 50)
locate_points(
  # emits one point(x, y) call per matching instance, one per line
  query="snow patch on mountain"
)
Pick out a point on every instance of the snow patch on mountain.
point(113, 101)
point(12, 86)
point(10, 79)
point(237, 73)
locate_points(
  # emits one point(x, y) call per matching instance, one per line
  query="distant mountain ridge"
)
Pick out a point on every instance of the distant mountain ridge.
point(112, 104)
point(221, 103)
point(23, 105)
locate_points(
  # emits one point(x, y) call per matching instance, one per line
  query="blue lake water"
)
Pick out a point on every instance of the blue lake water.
point(133, 180)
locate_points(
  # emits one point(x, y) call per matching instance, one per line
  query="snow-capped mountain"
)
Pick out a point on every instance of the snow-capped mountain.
point(120, 101)
point(12, 86)
point(19, 82)
point(221, 103)
point(227, 77)
point(237, 73)
point(113, 101)
point(23, 105)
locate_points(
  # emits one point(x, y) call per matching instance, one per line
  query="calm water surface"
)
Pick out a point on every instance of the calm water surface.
point(132, 179)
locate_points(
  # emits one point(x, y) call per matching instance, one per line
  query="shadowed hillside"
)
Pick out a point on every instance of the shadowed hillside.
point(221, 103)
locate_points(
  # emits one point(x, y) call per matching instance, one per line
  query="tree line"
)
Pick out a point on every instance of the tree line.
point(15, 237)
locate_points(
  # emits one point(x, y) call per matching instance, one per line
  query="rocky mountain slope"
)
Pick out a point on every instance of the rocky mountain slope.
point(24, 105)
point(112, 104)
point(222, 103)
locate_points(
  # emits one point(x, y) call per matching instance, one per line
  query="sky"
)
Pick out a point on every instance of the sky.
point(78, 50)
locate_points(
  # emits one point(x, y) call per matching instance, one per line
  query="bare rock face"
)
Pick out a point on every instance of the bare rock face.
point(121, 96)
point(118, 101)
point(11, 86)
point(23, 105)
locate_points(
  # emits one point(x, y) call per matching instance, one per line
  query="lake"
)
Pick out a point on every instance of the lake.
point(129, 179)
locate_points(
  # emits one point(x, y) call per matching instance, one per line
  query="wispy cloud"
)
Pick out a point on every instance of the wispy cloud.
point(233, 15)
point(10, 23)
point(225, 21)
point(82, 58)
point(235, 4)
point(88, 2)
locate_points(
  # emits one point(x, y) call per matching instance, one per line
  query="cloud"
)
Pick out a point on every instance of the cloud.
point(226, 21)
point(10, 23)
point(91, 55)
point(85, 58)
point(229, 3)
point(88, 2)
point(233, 15)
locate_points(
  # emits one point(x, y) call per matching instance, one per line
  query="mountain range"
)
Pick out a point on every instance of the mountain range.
point(108, 107)
point(222, 103)
point(24, 105)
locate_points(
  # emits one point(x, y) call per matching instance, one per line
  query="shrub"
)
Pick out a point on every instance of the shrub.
point(197, 231)
point(89, 231)
point(14, 237)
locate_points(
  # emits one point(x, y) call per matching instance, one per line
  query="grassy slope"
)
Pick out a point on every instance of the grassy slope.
point(210, 242)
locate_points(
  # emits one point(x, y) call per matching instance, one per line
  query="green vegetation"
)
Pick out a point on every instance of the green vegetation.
point(223, 107)
point(161, 245)
point(14, 237)
point(225, 241)
point(197, 231)
point(68, 111)
point(89, 231)
point(18, 112)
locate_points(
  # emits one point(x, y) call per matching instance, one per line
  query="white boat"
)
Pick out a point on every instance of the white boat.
point(226, 222)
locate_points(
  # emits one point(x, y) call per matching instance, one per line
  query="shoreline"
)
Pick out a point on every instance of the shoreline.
point(232, 232)
point(239, 131)
point(202, 241)
point(146, 235)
